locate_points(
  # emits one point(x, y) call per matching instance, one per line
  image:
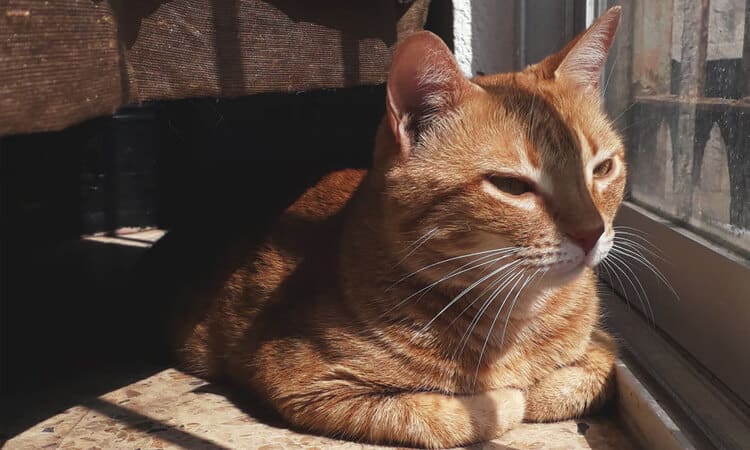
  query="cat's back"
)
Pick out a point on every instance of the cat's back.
point(326, 198)
point(299, 252)
point(308, 230)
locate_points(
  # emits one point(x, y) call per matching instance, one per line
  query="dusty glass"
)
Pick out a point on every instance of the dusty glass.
point(678, 87)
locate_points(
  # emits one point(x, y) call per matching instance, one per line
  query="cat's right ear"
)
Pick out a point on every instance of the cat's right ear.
point(424, 80)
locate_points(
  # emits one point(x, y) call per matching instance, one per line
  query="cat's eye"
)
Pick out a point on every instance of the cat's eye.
point(603, 168)
point(511, 185)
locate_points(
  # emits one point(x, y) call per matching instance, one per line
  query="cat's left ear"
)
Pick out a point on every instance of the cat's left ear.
point(424, 81)
point(582, 60)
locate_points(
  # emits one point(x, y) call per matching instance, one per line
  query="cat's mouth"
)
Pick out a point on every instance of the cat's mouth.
point(599, 252)
point(564, 273)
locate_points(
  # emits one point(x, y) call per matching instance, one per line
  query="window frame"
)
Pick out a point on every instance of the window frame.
point(693, 353)
point(697, 382)
point(711, 287)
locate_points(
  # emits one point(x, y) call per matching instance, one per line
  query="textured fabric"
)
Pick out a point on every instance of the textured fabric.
point(68, 60)
point(58, 64)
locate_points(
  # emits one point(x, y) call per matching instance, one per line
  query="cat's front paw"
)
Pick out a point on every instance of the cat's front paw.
point(499, 410)
point(513, 402)
point(566, 393)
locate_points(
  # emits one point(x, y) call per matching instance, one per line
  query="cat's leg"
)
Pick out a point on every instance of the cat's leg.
point(578, 388)
point(424, 419)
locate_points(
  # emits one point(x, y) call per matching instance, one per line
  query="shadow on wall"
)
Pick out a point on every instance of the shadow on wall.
point(341, 44)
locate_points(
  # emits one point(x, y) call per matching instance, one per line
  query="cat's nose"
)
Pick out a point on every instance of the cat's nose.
point(587, 239)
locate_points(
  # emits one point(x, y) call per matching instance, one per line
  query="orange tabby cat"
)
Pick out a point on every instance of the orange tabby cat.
point(447, 294)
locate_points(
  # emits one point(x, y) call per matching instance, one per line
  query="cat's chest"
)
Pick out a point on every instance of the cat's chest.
point(533, 356)
point(520, 361)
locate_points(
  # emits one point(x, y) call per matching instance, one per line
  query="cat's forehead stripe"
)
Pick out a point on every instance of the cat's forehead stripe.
point(546, 129)
point(554, 140)
point(588, 148)
point(592, 146)
point(532, 155)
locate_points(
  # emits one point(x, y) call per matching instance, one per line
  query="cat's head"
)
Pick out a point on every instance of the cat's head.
point(525, 161)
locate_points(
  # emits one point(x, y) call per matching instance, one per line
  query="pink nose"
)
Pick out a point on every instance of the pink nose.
point(587, 239)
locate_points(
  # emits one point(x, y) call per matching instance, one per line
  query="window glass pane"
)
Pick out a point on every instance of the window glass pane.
point(680, 94)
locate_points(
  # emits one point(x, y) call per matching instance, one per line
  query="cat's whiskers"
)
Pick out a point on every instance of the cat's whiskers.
point(607, 263)
point(497, 314)
point(623, 266)
point(611, 72)
point(623, 112)
point(488, 253)
point(530, 129)
point(625, 251)
point(633, 231)
point(417, 244)
point(634, 123)
point(632, 252)
point(633, 235)
point(506, 278)
point(625, 247)
point(461, 270)
point(604, 264)
point(466, 291)
point(656, 252)
point(631, 243)
point(490, 286)
point(505, 327)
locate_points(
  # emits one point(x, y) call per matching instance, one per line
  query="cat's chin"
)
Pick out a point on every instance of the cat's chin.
point(539, 292)
point(564, 276)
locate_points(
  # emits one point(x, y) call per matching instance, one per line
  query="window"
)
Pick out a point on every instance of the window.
point(678, 89)
point(689, 122)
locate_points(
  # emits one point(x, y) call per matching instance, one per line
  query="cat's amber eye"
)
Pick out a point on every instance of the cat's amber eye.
point(511, 185)
point(603, 169)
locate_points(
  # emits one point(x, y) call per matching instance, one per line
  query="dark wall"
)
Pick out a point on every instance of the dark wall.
point(163, 164)
point(204, 169)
